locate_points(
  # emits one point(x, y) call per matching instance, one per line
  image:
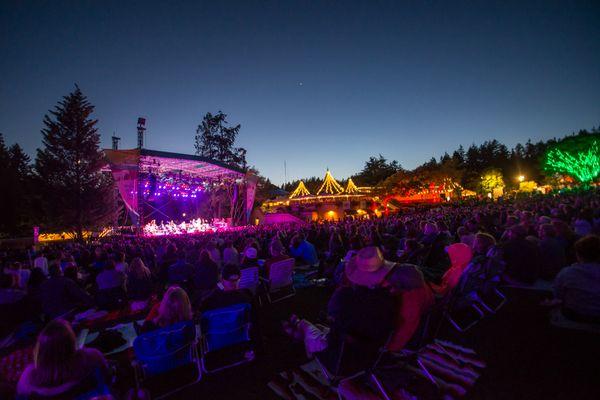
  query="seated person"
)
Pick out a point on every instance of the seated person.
point(110, 278)
point(205, 273)
point(230, 293)
point(230, 254)
point(180, 272)
point(21, 274)
point(10, 292)
point(14, 305)
point(435, 262)
point(522, 257)
point(413, 299)
point(362, 314)
point(460, 255)
point(411, 253)
point(139, 280)
point(578, 286)
point(277, 252)
point(250, 258)
point(552, 252)
point(59, 369)
point(303, 250)
point(175, 307)
point(59, 295)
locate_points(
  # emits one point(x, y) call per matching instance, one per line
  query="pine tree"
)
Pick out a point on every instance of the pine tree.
point(76, 194)
point(15, 204)
point(215, 140)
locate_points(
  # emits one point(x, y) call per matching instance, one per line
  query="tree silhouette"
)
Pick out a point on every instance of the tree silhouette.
point(75, 193)
point(215, 140)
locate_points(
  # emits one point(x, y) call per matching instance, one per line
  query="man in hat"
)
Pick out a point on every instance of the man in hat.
point(363, 312)
point(250, 259)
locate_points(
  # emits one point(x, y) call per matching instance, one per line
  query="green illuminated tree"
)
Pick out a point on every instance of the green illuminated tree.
point(576, 156)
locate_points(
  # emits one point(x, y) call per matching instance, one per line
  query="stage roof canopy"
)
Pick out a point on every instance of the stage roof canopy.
point(162, 162)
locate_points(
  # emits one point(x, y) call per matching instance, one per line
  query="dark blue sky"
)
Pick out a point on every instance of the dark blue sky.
point(317, 83)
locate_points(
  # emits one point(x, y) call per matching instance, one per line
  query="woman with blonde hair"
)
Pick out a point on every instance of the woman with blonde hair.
point(59, 369)
point(139, 280)
point(175, 307)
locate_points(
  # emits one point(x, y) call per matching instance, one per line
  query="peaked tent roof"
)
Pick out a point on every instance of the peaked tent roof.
point(351, 188)
point(300, 191)
point(330, 185)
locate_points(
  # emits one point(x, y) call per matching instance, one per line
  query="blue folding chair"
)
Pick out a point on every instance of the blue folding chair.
point(224, 329)
point(164, 350)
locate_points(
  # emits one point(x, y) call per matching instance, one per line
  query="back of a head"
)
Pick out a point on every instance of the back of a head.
point(587, 249)
point(230, 277)
point(276, 248)
point(430, 228)
point(174, 307)
point(482, 243)
point(53, 351)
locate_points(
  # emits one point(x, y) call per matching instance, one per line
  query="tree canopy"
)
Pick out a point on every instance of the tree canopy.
point(75, 193)
point(216, 140)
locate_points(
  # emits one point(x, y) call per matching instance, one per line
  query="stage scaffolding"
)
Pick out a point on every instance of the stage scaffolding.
point(139, 172)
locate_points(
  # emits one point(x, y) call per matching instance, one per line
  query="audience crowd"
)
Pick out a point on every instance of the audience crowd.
point(386, 274)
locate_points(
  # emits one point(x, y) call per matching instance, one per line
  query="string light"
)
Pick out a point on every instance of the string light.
point(330, 185)
point(300, 191)
point(583, 165)
point(351, 187)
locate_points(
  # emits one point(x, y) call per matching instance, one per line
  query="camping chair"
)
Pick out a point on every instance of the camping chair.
point(280, 278)
point(165, 350)
point(476, 297)
point(224, 331)
point(350, 360)
point(249, 279)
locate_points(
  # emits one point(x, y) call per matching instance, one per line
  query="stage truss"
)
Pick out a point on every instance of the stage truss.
point(150, 182)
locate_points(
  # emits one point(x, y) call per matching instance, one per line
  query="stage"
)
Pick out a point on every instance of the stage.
point(170, 193)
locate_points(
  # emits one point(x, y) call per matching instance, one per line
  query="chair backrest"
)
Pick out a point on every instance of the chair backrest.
point(280, 274)
point(167, 348)
point(249, 279)
point(225, 327)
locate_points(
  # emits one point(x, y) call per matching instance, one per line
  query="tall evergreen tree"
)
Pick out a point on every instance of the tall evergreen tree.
point(215, 140)
point(76, 194)
point(376, 170)
point(15, 204)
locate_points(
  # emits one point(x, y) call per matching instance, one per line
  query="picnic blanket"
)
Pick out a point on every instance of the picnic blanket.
point(448, 369)
point(306, 382)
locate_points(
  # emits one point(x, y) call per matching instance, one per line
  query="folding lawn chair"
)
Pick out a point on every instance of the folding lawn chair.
point(225, 332)
point(164, 350)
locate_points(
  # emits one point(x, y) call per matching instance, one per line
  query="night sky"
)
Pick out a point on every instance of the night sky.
point(316, 83)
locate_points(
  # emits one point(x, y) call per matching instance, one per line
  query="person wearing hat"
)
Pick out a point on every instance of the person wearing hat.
point(363, 311)
point(250, 259)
